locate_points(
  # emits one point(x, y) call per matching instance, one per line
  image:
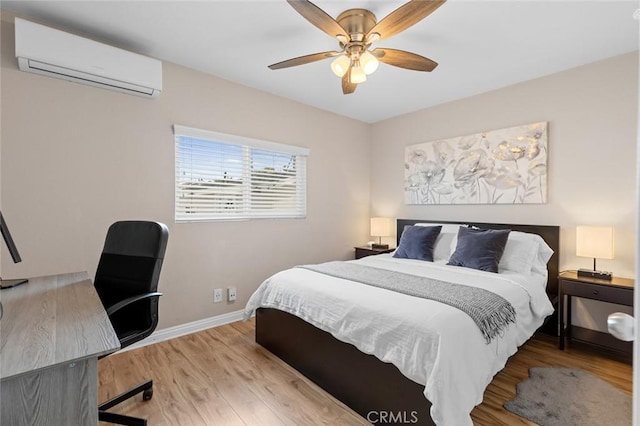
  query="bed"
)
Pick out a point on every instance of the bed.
point(331, 344)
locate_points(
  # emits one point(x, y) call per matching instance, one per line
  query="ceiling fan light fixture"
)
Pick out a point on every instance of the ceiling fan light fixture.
point(369, 62)
point(357, 74)
point(340, 65)
point(356, 30)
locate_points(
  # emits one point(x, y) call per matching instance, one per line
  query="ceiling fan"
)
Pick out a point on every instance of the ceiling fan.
point(356, 30)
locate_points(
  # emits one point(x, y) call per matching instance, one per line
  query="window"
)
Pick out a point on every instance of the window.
point(222, 176)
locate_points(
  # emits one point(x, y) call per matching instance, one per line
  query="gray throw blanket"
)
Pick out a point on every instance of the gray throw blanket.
point(491, 312)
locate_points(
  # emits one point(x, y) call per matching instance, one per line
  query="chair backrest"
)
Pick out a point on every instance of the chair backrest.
point(129, 266)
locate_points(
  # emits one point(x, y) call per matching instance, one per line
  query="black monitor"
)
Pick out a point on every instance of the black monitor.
point(14, 254)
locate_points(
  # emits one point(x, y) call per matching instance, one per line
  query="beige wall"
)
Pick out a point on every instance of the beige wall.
point(76, 158)
point(592, 114)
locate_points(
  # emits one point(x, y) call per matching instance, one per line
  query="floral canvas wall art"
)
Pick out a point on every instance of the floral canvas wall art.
point(506, 166)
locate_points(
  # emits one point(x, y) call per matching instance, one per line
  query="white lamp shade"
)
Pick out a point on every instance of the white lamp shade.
point(368, 62)
point(340, 65)
point(380, 227)
point(357, 75)
point(595, 242)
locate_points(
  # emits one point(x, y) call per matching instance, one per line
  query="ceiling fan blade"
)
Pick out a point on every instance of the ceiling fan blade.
point(318, 17)
point(402, 59)
point(405, 16)
point(301, 60)
point(347, 86)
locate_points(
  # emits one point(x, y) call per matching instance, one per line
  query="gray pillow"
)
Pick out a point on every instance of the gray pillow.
point(417, 242)
point(479, 248)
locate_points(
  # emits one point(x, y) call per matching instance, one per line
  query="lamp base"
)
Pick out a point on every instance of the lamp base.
point(601, 275)
point(380, 246)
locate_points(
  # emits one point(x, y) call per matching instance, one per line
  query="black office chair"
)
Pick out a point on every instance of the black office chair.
point(127, 283)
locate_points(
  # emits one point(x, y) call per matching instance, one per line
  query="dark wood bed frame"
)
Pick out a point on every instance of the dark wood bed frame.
point(374, 389)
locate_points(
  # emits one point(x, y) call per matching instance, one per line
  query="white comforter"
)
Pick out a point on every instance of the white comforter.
point(431, 343)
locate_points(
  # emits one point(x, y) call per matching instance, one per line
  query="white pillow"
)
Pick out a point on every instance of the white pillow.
point(540, 262)
point(444, 243)
point(525, 253)
point(519, 253)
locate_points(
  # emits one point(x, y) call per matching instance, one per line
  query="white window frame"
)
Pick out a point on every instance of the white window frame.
point(247, 145)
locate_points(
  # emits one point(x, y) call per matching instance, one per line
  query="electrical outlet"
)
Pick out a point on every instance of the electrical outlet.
point(217, 295)
point(231, 294)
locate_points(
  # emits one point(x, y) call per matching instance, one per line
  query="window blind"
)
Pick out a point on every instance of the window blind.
point(221, 177)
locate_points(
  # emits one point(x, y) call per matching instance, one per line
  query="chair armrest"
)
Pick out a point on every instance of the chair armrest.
point(121, 304)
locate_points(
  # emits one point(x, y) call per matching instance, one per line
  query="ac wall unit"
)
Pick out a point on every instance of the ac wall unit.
point(47, 51)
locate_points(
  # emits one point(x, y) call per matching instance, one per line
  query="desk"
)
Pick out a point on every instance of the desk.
point(51, 334)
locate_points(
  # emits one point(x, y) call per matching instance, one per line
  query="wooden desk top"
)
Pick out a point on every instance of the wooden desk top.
point(50, 321)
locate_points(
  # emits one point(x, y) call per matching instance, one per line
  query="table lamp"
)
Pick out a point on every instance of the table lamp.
point(595, 242)
point(380, 227)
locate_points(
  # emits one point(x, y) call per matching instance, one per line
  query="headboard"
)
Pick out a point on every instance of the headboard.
point(550, 234)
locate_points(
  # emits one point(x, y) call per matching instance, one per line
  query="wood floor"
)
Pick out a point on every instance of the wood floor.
point(221, 376)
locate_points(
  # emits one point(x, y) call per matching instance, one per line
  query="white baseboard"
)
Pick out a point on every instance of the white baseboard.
point(188, 328)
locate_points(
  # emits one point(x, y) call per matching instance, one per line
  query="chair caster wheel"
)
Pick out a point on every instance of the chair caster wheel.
point(147, 394)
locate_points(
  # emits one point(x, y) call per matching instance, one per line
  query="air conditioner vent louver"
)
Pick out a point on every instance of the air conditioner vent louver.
point(46, 51)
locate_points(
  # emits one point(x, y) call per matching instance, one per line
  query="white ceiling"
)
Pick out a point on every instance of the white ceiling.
point(480, 45)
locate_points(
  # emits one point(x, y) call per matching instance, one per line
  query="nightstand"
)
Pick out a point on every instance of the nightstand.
point(368, 251)
point(618, 291)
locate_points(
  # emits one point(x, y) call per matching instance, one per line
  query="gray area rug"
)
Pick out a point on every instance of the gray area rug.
point(566, 396)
